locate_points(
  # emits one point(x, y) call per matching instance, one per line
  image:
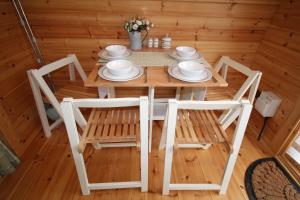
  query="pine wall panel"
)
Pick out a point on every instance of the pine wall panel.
point(216, 27)
point(19, 121)
point(278, 57)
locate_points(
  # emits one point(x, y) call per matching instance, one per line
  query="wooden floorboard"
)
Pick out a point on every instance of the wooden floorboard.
point(48, 171)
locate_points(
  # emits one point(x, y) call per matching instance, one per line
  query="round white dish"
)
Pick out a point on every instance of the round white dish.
point(135, 73)
point(191, 68)
point(116, 50)
point(104, 55)
point(119, 67)
point(174, 72)
point(185, 51)
point(174, 55)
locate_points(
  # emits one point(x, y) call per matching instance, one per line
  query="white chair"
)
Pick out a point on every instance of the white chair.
point(111, 126)
point(73, 89)
point(193, 123)
point(251, 84)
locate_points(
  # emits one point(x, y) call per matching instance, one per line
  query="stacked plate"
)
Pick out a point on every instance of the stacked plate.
point(190, 71)
point(182, 53)
point(120, 70)
point(114, 52)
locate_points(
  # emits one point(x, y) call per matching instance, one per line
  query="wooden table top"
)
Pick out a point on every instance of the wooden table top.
point(152, 77)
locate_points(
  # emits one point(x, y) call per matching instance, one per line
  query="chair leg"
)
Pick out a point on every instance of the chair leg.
point(144, 108)
point(162, 143)
point(74, 140)
point(39, 104)
point(81, 172)
point(169, 146)
point(151, 108)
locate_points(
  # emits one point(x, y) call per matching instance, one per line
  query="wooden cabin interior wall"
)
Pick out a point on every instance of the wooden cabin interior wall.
point(19, 122)
point(278, 57)
point(263, 34)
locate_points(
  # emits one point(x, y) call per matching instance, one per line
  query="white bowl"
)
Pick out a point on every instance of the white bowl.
point(116, 50)
point(119, 67)
point(185, 51)
point(191, 68)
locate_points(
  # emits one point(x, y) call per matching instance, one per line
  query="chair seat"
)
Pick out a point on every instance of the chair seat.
point(111, 126)
point(220, 93)
point(199, 127)
point(75, 91)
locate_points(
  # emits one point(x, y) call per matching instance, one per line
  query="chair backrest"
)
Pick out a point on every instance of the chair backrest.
point(251, 84)
point(37, 74)
point(70, 107)
point(243, 106)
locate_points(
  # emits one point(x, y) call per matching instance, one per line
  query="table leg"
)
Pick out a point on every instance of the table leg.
point(151, 105)
point(111, 92)
point(199, 93)
point(102, 92)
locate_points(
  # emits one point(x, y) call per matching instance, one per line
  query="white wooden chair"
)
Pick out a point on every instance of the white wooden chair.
point(251, 84)
point(111, 126)
point(38, 84)
point(190, 123)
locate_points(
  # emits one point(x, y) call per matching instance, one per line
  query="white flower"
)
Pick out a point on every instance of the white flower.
point(148, 28)
point(135, 27)
point(152, 25)
point(138, 22)
point(147, 22)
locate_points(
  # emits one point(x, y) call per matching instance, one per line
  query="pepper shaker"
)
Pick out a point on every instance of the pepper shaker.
point(156, 42)
point(150, 42)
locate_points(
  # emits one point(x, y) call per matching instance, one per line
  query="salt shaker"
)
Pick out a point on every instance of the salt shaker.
point(166, 42)
point(150, 42)
point(156, 42)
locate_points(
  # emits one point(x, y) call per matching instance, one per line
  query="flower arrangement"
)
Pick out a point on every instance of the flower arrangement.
point(138, 24)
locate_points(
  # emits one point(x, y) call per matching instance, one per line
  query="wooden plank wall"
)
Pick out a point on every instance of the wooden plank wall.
point(18, 117)
point(215, 27)
point(278, 57)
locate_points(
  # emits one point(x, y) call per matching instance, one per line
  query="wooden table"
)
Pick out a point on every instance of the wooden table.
point(156, 77)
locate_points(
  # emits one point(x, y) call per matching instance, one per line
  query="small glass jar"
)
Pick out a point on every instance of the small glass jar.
point(156, 42)
point(150, 42)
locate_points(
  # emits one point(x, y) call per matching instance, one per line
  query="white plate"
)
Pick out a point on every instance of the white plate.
point(135, 73)
point(104, 54)
point(174, 55)
point(174, 72)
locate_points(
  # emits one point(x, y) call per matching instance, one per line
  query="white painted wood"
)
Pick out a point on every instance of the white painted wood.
point(190, 186)
point(186, 94)
point(208, 105)
point(72, 72)
point(40, 84)
point(198, 146)
point(102, 92)
point(236, 144)
point(46, 90)
point(254, 87)
point(178, 91)
point(112, 145)
point(163, 138)
point(199, 93)
point(111, 92)
point(74, 142)
point(295, 155)
point(243, 108)
point(46, 69)
point(151, 92)
point(39, 104)
point(69, 108)
point(114, 185)
point(252, 83)
point(144, 105)
point(105, 103)
point(56, 123)
point(221, 63)
point(172, 116)
point(78, 66)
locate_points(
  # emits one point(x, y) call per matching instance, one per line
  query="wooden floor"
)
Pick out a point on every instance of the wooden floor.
point(48, 171)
